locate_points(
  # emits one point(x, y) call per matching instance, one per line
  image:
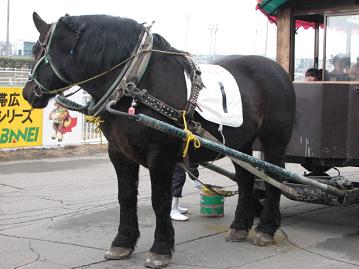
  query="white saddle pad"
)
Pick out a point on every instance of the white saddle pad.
point(220, 101)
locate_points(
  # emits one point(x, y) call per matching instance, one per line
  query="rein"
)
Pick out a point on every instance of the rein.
point(111, 69)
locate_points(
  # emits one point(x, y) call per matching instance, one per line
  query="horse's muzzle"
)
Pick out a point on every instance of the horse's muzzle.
point(34, 96)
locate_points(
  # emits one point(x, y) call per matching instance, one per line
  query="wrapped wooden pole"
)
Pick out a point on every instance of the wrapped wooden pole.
point(266, 166)
point(234, 154)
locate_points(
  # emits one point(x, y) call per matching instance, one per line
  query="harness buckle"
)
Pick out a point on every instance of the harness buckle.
point(37, 91)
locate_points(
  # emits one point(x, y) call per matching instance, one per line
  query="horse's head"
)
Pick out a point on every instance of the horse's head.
point(80, 50)
point(52, 52)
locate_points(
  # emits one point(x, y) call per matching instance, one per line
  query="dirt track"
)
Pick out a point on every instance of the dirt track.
point(66, 151)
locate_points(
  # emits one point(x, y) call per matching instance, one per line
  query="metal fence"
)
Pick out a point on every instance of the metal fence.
point(14, 76)
point(90, 132)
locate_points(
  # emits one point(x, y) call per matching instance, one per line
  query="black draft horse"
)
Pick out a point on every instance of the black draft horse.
point(84, 46)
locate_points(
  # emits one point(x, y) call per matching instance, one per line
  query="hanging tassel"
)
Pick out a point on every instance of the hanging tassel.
point(131, 109)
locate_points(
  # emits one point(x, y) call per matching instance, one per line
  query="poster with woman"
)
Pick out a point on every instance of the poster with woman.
point(62, 122)
point(62, 126)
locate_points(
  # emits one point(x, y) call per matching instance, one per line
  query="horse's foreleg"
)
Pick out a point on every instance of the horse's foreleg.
point(128, 232)
point(161, 169)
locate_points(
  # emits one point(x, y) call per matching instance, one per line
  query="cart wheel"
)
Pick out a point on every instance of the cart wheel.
point(315, 174)
point(316, 170)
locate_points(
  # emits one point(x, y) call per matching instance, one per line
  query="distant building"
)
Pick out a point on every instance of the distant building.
point(202, 59)
point(28, 48)
point(2, 48)
point(22, 48)
point(205, 58)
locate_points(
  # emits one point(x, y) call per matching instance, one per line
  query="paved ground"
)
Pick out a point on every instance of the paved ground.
point(62, 213)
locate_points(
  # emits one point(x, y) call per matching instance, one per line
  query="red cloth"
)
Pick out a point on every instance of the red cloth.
point(69, 123)
point(298, 23)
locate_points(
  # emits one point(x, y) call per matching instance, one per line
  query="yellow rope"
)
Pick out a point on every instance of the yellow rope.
point(96, 121)
point(190, 137)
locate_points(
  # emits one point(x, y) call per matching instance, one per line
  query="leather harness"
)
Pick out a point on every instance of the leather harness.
point(126, 85)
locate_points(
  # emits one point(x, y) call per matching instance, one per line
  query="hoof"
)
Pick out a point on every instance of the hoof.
point(262, 239)
point(157, 260)
point(118, 253)
point(236, 236)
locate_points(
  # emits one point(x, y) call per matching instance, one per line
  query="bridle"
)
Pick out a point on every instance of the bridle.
point(45, 58)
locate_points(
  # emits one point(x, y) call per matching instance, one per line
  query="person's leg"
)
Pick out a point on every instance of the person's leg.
point(55, 126)
point(60, 131)
point(178, 180)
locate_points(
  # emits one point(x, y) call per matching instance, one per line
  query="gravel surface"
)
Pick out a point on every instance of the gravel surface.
point(41, 153)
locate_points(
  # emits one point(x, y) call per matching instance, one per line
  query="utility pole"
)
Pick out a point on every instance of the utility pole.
point(266, 40)
point(215, 41)
point(186, 34)
point(255, 41)
point(211, 40)
point(213, 28)
point(7, 52)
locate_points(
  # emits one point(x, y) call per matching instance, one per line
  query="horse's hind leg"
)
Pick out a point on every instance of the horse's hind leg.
point(128, 232)
point(270, 217)
point(244, 214)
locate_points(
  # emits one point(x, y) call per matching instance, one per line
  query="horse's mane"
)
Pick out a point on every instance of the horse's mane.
point(106, 40)
point(162, 44)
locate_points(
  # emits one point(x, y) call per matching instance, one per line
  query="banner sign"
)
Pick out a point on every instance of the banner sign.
point(20, 126)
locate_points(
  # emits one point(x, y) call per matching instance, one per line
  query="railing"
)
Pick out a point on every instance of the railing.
point(14, 76)
point(90, 132)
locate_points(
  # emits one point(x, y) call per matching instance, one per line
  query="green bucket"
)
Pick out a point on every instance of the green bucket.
point(212, 204)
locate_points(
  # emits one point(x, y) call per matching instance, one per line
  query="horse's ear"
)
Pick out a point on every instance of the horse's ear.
point(40, 24)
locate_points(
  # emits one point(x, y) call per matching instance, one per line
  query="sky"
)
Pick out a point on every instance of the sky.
point(184, 23)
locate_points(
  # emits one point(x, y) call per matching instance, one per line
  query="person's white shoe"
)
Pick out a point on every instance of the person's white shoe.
point(176, 215)
point(182, 210)
point(176, 210)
